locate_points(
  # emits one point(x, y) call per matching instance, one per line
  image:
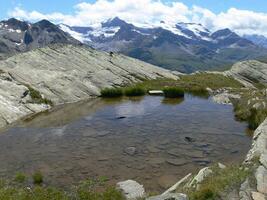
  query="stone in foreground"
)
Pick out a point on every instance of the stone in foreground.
point(169, 196)
point(131, 189)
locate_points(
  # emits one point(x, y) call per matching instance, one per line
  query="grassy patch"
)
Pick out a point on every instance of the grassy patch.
point(135, 91)
point(195, 84)
point(250, 107)
point(256, 117)
point(20, 177)
point(88, 190)
point(111, 92)
point(37, 97)
point(220, 181)
point(173, 92)
point(37, 178)
point(96, 189)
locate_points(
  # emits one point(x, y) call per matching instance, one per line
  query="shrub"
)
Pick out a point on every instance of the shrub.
point(134, 91)
point(173, 92)
point(37, 97)
point(37, 178)
point(111, 92)
point(20, 177)
point(256, 118)
point(219, 182)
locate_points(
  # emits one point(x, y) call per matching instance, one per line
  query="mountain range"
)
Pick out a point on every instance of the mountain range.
point(185, 47)
point(19, 36)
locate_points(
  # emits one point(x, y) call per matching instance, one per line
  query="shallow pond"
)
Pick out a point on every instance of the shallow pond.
point(151, 140)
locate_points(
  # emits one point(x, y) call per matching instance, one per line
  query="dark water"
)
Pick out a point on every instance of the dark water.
point(91, 139)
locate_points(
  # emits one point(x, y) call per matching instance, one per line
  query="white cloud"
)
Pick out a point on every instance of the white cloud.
point(151, 12)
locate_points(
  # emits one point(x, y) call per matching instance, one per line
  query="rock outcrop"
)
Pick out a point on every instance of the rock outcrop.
point(249, 72)
point(259, 151)
point(63, 74)
point(131, 189)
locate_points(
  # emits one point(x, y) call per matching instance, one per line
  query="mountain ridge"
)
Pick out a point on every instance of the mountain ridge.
point(185, 47)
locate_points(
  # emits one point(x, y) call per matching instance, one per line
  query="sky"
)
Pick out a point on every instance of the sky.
point(242, 16)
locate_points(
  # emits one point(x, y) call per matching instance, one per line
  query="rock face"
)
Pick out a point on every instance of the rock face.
point(259, 150)
point(131, 189)
point(65, 73)
point(249, 72)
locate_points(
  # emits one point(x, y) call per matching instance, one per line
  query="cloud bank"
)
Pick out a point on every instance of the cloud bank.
point(145, 12)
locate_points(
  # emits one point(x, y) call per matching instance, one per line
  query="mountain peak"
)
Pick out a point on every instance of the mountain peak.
point(116, 21)
point(16, 24)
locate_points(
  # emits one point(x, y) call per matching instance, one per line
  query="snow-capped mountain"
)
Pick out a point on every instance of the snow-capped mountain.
point(19, 36)
point(183, 46)
point(257, 39)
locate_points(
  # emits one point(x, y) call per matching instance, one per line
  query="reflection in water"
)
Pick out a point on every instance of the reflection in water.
point(91, 139)
point(172, 101)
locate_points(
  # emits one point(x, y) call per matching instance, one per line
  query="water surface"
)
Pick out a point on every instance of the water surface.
point(151, 140)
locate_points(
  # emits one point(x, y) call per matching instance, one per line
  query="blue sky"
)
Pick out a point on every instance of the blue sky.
point(242, 16)
point(66, 6)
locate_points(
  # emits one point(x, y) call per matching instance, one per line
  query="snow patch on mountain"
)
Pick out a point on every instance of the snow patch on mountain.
point(78, 36)
point(106, 31)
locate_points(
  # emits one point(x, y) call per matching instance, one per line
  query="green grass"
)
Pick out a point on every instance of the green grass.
point(37, 178)
point(221, 180)
point(195, 84)
point(96, 189)
point(245, 110)
point(134, 91)
point(37, 97)
point(111, 92)
point(173, 92)
point(20, 177)
point(256, 117)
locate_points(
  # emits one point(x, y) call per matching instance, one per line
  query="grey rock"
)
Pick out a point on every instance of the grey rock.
point(202, 174)
point(261, 177)
point(263, 160)
point(259, 142)
point(130, 150)
point(225, 98)
point(169, 196)
point(247, 72)
point(245, 191)
point(258, 196)
point(177, 161)
point(132, 190)
point(221, 166)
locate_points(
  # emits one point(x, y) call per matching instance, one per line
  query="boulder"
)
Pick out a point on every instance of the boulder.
point(132, 190)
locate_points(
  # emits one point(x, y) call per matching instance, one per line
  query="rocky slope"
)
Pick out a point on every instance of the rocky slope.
point(186, 47)
point(249, 72)
point(19, 36)
point(62, 74)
